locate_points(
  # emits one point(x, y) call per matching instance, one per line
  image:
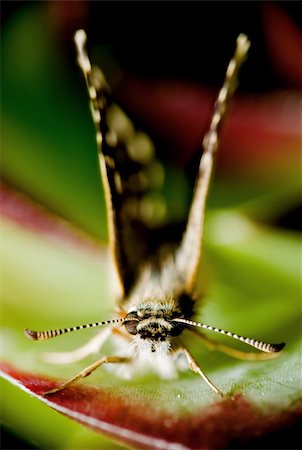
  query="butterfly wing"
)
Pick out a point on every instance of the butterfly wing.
point(188, 254)
point(131, 177)
point(126, 156)
point(128, 167)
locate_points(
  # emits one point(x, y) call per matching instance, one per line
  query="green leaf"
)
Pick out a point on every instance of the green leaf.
point(53, 280)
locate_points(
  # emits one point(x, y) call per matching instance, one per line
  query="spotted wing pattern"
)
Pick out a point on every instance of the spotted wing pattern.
point(128, 165)
point(131, 177)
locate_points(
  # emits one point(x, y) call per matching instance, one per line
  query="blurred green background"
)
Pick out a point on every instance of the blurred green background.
point(48, 152)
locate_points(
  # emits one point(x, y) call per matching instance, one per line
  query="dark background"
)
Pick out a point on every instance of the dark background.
point(189, 41)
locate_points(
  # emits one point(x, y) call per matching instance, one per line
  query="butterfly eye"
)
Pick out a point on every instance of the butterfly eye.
point(176, 329)
point(131, 322)
point(131, 326)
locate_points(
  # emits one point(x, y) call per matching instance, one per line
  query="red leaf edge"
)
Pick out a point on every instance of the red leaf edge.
point(225, 423)
point(22, 210)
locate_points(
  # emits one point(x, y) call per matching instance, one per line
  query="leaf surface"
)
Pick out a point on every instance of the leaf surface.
point(250, 281)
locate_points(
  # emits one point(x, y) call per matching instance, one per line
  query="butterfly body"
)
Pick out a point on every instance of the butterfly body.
point(150, 330)
point(143, 359)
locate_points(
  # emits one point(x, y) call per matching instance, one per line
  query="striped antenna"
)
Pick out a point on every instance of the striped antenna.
point(48, 334)
point(260, 345)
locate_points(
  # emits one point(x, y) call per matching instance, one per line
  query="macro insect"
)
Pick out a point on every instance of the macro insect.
point(157, 301)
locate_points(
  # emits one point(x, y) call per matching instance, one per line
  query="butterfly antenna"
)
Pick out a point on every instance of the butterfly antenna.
point(260, 345)
point(48, 334)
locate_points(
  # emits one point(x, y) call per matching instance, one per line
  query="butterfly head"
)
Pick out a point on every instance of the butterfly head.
point(152, 325)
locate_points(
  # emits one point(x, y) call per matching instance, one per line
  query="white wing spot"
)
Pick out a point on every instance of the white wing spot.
point(92, 92)
point(96, 116)
point(99, 138)
point(231, 68)
point(111, 138)
point(222, 94)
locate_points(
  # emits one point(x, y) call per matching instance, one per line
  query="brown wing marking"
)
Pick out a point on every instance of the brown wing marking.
point(130, 174)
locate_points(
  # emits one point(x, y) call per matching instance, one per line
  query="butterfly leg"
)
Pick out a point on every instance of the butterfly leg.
point(88, 370)
point(246, 356)
point(93, 346)
point(195, 368)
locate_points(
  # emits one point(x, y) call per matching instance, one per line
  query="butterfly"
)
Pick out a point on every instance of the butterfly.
point(157, 275)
